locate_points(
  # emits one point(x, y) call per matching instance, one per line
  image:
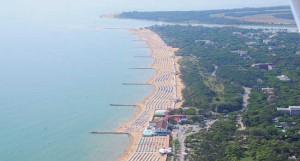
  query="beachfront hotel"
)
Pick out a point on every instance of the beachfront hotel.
point(158, 126)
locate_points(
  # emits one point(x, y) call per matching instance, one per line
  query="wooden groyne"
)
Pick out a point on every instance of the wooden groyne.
point(109, 133)
point(136, 84)
point(123, 105)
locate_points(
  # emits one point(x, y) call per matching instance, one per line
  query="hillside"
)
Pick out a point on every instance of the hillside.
point(244, 16)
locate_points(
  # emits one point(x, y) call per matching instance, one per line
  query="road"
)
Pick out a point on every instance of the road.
point(245, 104)
point(181, 133)
point(184, 131)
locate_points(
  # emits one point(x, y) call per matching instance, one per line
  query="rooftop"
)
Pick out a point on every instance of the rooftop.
point(294, 107)
point(160, 112)
point(283, 78)
point(162, 124)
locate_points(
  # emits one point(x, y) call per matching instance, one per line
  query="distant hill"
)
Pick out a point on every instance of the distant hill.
point(244, 16)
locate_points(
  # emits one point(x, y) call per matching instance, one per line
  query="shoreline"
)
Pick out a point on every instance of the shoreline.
point(290, 28)
point(136, 131)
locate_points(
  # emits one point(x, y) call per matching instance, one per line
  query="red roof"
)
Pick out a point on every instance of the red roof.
point(176, 119)
point(162, 124)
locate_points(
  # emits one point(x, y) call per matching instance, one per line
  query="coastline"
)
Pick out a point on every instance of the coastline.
point(291, 28)
point(135, 131)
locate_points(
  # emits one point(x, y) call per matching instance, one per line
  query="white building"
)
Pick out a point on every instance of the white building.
point(283, 78)
point(292, 110)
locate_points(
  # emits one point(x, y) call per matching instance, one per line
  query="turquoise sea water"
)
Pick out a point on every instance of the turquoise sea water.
point(56, 84)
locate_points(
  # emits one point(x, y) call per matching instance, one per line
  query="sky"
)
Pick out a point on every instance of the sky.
point(42, 6)
point(193, 4)
point(54, 9)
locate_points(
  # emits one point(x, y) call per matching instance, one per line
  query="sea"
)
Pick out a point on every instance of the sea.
point(61, 66)
point(57, 82)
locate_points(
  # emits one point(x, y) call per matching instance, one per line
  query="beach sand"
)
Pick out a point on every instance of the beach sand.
point(166, 87)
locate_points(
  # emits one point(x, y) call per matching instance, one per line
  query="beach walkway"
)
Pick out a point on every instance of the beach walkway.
point(165, 83)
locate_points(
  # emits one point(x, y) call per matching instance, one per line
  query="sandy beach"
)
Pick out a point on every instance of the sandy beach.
point(167, 86)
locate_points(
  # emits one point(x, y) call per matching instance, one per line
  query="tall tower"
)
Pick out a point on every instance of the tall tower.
point(295, 5)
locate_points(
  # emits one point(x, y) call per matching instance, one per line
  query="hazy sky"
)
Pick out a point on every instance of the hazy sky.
point(192, 4)
point(41, 9)
point(119, 5)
